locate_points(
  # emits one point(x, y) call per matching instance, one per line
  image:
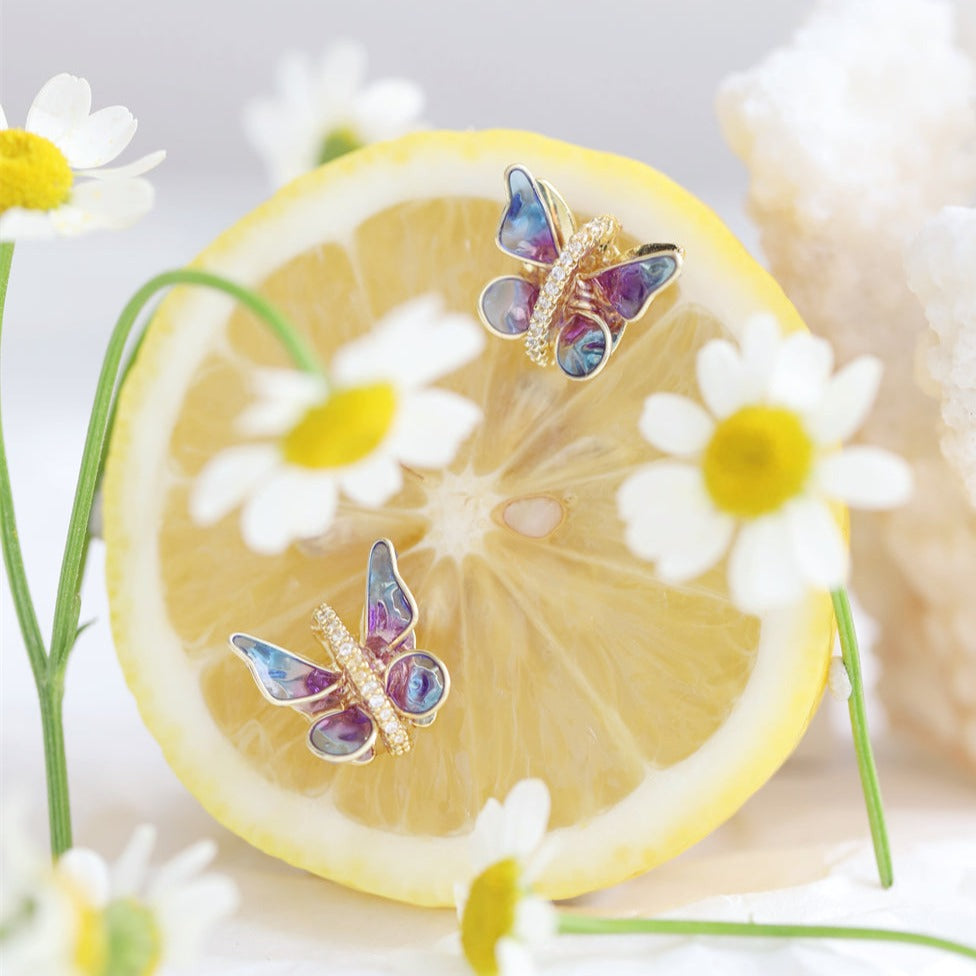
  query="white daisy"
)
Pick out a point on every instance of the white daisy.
point(501, 919)
point(83, 917)
point(765, 459)
point(324, 110)
point(53, 177)
point(352, 438)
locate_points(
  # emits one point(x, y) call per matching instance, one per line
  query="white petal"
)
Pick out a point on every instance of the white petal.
point(387, 109)
point(341, 70)
point(99, 138)
point(865, 477)
point(293, 504)
point(846, 400)
point(88, 872)
point(63, 103)
point(536, 920)
point(674, 424)
point(722, 378)
point(18, 224)
point(672, 521)
point(186, 910)
point(372, 482)
point(513, 958)
point(3, 119)
point(430, 426)
point(142, 165)
point(228, 478)
point(110, 204)
point(182, 868)
point(526, 811)
point(486, 843)
point(762, 570)
point(284, 395)
point(801, 372)
point(130, 869)
point(818, 546)
point(461, 893)
point(705, 544)
point(412, 345)
point(760, 344)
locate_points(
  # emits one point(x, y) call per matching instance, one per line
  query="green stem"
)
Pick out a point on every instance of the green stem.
point(56, 764)
point(49, 668)
point(589, 925)
point(67, 609)
point(9, 538)
point(862, 742)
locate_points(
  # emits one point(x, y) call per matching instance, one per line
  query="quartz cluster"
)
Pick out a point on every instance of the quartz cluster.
point(860, 140)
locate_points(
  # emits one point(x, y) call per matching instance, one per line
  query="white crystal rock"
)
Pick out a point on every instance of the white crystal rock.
point(855, 135)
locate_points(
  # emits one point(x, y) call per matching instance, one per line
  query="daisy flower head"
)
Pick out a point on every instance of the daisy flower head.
point(350, 438)
point(501, 918)
point(53, 175)
point(757, 467)
point(324, 109)
point(85, 917)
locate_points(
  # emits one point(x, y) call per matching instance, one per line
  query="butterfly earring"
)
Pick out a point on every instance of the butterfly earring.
point(577, 292)
point(378, 688)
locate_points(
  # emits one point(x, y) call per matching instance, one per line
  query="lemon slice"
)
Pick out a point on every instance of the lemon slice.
point(651, 711)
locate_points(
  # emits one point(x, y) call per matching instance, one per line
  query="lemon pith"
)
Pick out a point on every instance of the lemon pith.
point(651, 712)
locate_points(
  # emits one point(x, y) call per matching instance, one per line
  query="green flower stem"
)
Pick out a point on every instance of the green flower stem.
point(590, 925)
point(862, 742)
point(49, 668)
point(67, 609)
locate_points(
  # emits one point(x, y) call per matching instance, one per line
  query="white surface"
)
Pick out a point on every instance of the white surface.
point(185, 69)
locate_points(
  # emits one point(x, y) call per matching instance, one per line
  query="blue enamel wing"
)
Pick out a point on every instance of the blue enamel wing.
point(402, 687)
point(595, 291)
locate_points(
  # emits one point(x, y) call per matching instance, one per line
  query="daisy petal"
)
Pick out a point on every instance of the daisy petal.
point(293, 504)
point(18, 224)
point(513, 958)
point(283, 397)
point(818, 546)
point(762, 571)
point(865, 477)
point(412, 345)
point(341, 71)
point(130, 170)
point(846, 401)
point(721, 378)
point(487, 838)
point(535, 920)
point(87, 872)
point(109, 204)
point(228, 478)
point(671, 520)
point(3, 119)
point(99, 138)
point(527, 815)
point(372, 482)
point(182, 868)
point(801, 372)
point(62, 104)
point(129, 871)
point(761, 340)
point(674, 424)
point(430, 427)
point(388, 108)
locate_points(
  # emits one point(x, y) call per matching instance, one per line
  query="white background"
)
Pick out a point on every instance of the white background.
point(635, 77)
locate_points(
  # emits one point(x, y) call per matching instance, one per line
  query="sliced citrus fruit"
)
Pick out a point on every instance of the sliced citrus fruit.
point(651, 711)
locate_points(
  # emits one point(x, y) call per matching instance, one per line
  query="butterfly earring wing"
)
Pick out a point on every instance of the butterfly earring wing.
point(583, 344)
point(282, 677)
point(390, 613)
point(630, 285)
point(529, 229)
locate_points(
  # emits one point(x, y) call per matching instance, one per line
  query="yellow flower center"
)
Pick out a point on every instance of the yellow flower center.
point(134, 941)
point(347, 427)
point(337, 143)
point(757, 459)
point(90, 949)
point(33, 172)
point(489, 915)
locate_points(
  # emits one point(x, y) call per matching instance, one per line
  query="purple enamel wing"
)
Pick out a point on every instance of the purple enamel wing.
point(607, 290)
point(410, 685)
